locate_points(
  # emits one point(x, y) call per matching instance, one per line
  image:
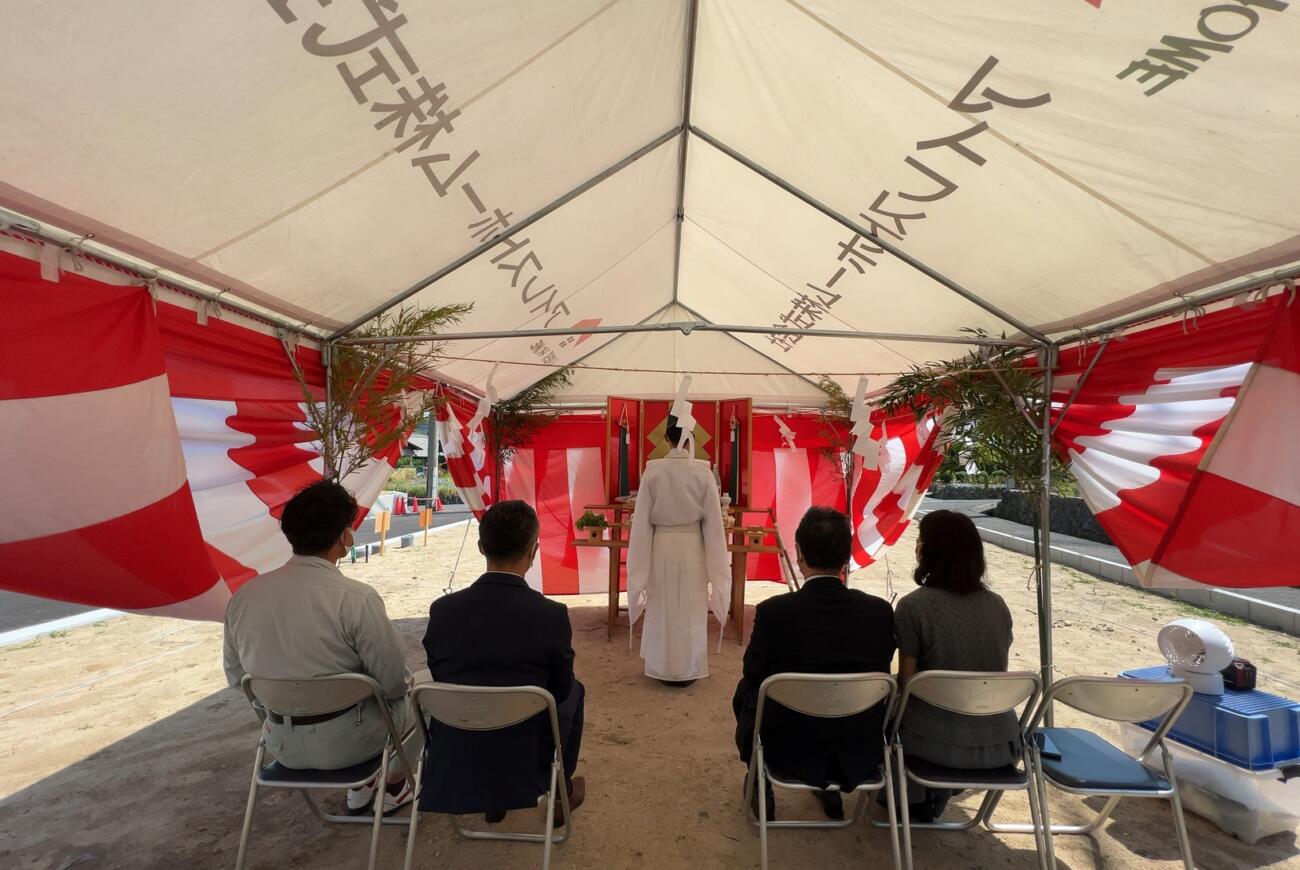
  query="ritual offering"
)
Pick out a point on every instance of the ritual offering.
point(592, 524)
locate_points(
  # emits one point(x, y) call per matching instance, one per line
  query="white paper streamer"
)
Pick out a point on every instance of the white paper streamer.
point(485, 404)
point(787, 434)
point(681, 409)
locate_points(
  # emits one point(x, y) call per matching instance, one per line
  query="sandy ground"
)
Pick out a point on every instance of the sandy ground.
point(120, 746)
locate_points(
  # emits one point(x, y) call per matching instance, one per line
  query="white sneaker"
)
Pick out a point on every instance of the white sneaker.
point(396, 796)
point(358, 799)
point(394, 801)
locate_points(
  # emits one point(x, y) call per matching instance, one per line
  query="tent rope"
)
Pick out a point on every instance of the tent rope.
point(451, 578)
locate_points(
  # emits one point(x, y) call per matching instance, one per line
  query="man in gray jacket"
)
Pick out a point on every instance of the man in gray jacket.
point(305, 619)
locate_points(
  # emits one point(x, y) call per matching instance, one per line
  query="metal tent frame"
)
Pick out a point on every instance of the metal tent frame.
point(1027, 336)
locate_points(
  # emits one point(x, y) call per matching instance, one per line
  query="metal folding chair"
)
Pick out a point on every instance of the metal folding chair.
point(491, 708)
point(1083, 763)
point(316, 697)
point(827, 696)
point(970, 693)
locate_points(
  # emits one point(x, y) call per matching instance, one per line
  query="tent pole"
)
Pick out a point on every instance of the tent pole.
point(1281, 276)
point(1048, 356)
point(432, 456)
point(327, 360)
point(517, 227)
point(689, 88)
point(866, 234)
point(27, 229)
point(686, 328)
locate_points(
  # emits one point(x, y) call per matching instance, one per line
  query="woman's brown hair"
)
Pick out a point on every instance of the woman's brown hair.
point(951, 555)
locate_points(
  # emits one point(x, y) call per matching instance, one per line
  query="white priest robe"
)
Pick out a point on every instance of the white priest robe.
point(677, 565)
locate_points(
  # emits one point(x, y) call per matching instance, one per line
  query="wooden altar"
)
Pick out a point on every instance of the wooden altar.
point(739, 548)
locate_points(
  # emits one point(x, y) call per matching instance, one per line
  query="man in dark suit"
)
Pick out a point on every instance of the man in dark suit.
point(824, 628)
point(500, 632)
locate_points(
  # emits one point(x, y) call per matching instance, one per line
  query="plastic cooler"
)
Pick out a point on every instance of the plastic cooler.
point(1236, 756)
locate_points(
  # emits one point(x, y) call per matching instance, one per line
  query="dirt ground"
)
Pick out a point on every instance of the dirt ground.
point(120, 746)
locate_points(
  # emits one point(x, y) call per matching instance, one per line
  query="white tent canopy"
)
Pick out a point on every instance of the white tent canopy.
point(640, 161)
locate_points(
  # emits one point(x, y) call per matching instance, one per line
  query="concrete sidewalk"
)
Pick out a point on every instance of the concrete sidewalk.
point(1277, 608)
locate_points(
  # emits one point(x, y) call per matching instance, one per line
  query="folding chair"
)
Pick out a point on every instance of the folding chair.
point(316, 697)
point(491, 708)
point(827, 696)
point(1083, 763)
point(970, 693)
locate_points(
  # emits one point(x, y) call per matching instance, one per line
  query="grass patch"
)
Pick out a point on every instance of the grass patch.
point(63, 632)
point(1205, 613)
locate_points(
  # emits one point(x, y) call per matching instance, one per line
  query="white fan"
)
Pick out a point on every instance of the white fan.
point(1197, 651)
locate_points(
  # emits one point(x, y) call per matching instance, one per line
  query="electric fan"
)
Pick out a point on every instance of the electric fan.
point(1197, 651)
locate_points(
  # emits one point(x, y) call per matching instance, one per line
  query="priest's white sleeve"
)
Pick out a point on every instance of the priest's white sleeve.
point(639, 545)
point(716, 557)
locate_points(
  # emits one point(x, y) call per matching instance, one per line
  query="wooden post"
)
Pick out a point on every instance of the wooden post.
point(615, 574)
point(738, 566)
point(426, 520)
point(382, 522)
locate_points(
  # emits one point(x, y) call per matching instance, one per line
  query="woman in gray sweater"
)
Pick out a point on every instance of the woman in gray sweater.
point(954, 623)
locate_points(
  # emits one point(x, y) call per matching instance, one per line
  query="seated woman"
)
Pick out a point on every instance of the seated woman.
point(952, 623)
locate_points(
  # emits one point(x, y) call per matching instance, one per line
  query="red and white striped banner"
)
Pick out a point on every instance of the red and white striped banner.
point(466, 453)
point(885, 498)
point(1182, 440)
point(147, 457)
point(96, 501)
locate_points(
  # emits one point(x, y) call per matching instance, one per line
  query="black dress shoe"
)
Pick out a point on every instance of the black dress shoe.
point(494, 817)
point(677, 684)
point(920, 812)
point(937, 800)
point(832, 804)
point(771, 801)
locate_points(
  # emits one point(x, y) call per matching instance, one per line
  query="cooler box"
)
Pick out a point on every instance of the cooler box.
point(1236, 756)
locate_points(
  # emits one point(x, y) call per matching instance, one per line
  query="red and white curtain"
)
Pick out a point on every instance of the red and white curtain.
point(1182, 440)
point(147, 456)
point(792, 469)
point(561, 472)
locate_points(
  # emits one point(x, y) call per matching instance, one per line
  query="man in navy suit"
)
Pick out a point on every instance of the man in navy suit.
point(824, 628)
point(501, 632)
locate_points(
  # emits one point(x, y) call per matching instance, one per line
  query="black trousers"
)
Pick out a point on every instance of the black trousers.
point(570, 715)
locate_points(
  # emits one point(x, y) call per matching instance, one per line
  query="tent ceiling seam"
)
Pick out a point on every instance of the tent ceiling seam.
point(759, 268)
point(487, 245)
point(611, 267)
point(588, 354)
point(862, 231)
point(688, 88)
point(1041, 161)
point(389, 152)
point(689, 310)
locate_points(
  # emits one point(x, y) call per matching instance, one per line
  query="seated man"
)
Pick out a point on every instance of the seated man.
point(305, 619)
point(824, 628)
point(500, 632)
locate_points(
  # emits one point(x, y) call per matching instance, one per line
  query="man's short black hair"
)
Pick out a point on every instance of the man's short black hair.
point(507, 530)
point(672, 432)
point(315, 518)
point(825, 539)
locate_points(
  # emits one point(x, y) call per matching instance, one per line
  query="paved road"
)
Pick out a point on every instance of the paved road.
point(20, 611)
point(405, 524)
point(1286, 596)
